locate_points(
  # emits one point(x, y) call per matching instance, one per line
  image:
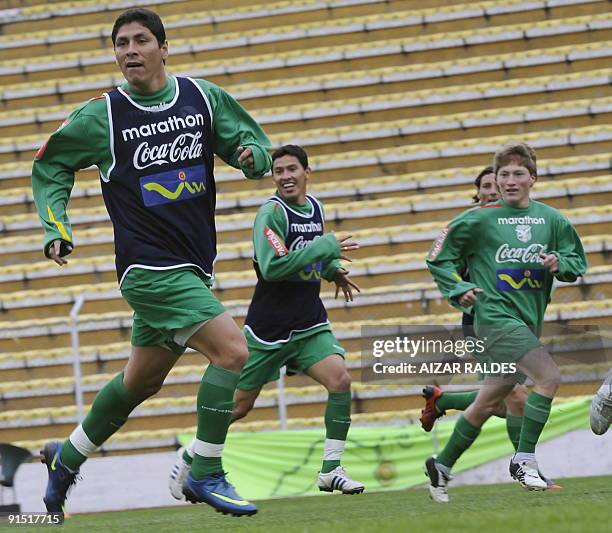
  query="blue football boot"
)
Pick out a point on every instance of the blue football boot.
point(60, 478)
point(216, 491)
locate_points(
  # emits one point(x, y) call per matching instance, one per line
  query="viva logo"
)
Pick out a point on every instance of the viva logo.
point(518, 279)
point(173, 186)
point(311, 273)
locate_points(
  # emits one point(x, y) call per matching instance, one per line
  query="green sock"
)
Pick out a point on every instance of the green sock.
point(337, 424)
point(109, 411)
point(215, 404)
point(513, 427)
point(535, 415)
point(461, 439)
point(455, 400)
point(187, 458)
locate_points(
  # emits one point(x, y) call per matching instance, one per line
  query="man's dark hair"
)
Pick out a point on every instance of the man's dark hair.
point(291, 149)
point(483, 173)
point(149, 19)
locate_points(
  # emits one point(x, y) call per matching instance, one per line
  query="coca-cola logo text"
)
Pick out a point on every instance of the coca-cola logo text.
point(530, 254)
point(184, 147)
point(301, 242)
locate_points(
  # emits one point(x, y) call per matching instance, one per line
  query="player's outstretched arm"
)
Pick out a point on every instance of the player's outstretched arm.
point(68, 149)
point(276, 262)
point(239, 140)
point(446, 260)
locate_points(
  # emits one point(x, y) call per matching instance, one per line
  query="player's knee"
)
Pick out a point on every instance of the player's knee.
point(549, 384)
point(144, 389)
point(235, 355)
point(341, 382)
point(488, 409)
point(515, 402)
point(500, 410)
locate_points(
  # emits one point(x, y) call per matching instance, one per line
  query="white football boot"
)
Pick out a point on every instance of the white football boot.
point(337, 479)
point(527, 474)
point(438, 488)
point(178, 474)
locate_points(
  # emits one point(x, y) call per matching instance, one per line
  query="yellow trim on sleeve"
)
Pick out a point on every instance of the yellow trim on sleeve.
point(59, 225)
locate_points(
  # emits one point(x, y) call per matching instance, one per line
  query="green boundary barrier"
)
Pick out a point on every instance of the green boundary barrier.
point(279, 464)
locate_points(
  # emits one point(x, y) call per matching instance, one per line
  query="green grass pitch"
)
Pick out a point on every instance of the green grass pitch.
point(584, 505)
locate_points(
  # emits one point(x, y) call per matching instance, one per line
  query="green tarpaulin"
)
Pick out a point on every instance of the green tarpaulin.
point(285, 463)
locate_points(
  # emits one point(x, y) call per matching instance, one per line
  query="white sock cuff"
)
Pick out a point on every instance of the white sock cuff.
point(524, 456)
point(81, 442)
point(191, 448)
point(333, 449)
point(206, 449)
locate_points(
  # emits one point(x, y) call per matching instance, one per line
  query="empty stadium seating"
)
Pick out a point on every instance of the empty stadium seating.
point(399, 106)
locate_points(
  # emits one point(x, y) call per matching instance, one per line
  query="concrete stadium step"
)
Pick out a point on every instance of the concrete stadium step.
point(166, 439)
point(111, 327)
point(87, 193)
point(391, 243)
point(304, 35)
point(157, 413)
point(351, 57)
point(305, 401)
point(99, 241)
point(196, 22)
point(351, 215)
point(21, 388)
point(401, 159)
point(447, 16)
point(66, 15)
point(384, 292)
point(235, 277)
point(71, 14)
point(500, 67)
point(183, 380)
point(368, 135)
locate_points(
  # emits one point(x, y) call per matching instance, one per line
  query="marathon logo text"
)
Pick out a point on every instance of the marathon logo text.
point(309, 227)
point(511, 221)
point(172, 123)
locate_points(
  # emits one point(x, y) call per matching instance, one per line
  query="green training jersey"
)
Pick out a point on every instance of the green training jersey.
point(85, 139)
point(502, 247)
point(284, 251)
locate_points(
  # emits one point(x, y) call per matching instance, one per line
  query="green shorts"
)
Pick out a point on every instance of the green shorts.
point(264, 362)
point(169, 306)
point(506, 345)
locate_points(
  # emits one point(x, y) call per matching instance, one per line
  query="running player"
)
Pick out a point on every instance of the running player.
point(438, 401)
point(152, 140)
point(287, 324)
point(522, 246)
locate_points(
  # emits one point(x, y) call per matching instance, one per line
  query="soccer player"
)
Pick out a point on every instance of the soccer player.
point(438, 401)
point(287, 324)
point(522, 245)
point(601, 407)
point(152, 140)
